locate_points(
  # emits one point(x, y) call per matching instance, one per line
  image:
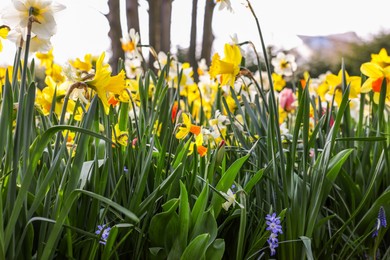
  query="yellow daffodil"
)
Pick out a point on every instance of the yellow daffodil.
point(187, 127)
point(55, 71)
point(46, 59)
point(3, 73)
point(103, 82)
point(278, 81)
point(376, 74)
point(84, 66)
point(382, 58)
point(45, 97)
point(335, 81)
point(119, 136)
point(3, 34)
point(228, 67)
point(202, 151)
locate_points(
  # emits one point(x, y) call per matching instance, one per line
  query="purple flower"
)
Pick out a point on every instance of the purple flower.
point(380, 221)
point(273, 243)
point(273, 223)
point(104, 235)
point(275, 227)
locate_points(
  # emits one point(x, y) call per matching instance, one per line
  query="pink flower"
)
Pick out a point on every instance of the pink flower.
point(287, 99)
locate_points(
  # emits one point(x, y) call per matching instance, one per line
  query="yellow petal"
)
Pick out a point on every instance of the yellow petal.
point(371, 70)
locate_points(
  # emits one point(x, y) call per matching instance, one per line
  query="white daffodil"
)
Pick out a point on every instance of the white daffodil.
point(231, 198)
point(284, 64)
point(42, 11)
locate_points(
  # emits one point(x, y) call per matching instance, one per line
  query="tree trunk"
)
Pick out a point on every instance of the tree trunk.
point(154, 27)
point(165, 19)
point(132, 15)
point(208, 36)
point(115, 34)
point(192, 51)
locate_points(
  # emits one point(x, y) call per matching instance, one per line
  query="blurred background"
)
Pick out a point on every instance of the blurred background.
point(320, 34)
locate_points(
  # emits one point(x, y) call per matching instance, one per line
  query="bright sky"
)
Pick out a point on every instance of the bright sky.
point(82, 27)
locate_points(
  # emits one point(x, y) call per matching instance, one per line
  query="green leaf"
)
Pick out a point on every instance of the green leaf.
point(197, 248)
point(336, 163)
point(253, 181)
point(216, 249)
point(184, 215)
point(307, 243)
point(110, 242)
point(226, 182)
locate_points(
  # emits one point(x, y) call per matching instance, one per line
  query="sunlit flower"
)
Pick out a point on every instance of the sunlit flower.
point(55, 71)
point(46, 58)
point(278, 81)
point(3, 73)
point(53, 92)
point(187, 127)
point(133, 68)
point(228, 67)
point(85, 65)
point(376, 74)
point(130, 43)
point(43, 12)
point(284, 64)
point(335, 81)
point(224, 4)
point(382, 58)
point(3, 34)
point(103, 82)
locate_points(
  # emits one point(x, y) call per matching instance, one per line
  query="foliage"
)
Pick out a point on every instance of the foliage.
point(148, 165)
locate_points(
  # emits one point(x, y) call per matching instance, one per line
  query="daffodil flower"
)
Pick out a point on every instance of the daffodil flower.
point(231, 198)
point(202, 150)
point(228, 67)
point(3, 34)
point(130, 43)
point(334, 83)
point(43, 12)
point(119, 136)
point(382, 58)
point(376, 74)
point(284, 64)
point(103, 82)
point(187, 127)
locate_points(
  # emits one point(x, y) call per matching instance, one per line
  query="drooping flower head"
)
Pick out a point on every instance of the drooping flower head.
point(228, 67)
point(224, 4)
point(43, 12)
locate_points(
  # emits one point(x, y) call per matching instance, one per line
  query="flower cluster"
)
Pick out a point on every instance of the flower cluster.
point(104, 232)
point(380, 221)
point(274, 226)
